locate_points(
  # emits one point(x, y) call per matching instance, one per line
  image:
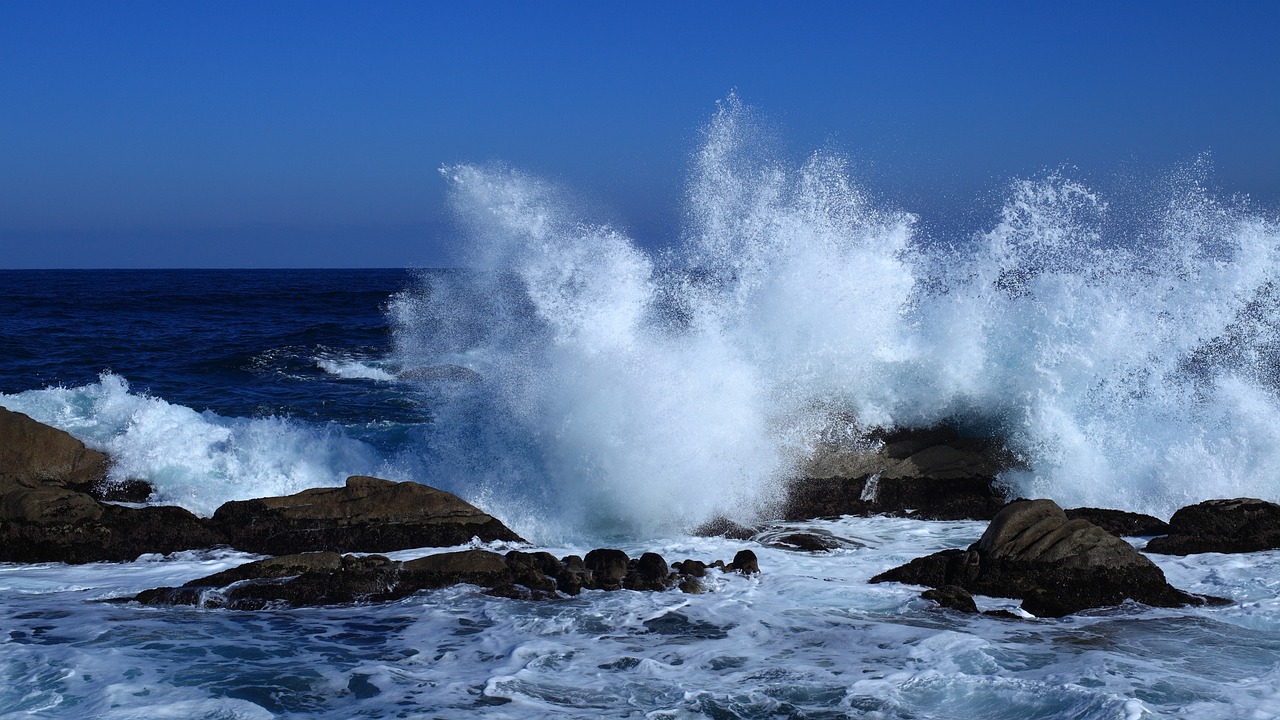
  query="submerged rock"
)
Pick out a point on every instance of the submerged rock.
point(1224, 526)
point(1057, 566)
point(931, 474)
point(327, 578)
point(367, 515)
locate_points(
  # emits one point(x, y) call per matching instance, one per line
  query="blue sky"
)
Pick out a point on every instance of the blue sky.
point(308, 134)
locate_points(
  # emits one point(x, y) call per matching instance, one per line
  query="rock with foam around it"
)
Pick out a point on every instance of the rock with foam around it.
point(1224, 526)
point(1057, 566)
point(33, 454)
point(327, 578)
point(931, 474)
point(366, 515)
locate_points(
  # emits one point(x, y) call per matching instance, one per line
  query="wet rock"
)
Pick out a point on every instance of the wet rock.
point(1119, 522)
point(692, 568)
point(574, 576)
point(327, 578)
point(55, 524)
point(1240, 525)
point(806, 542)
point(1056, 565)
point(128, 491)
point(953, 597)
point(931, 474)
point(649, 572)
point(723, 527)
point(34, 454)
point(608, 567)
point(535, 571)
point(473, 567)
point(745, 562)
point(367, 515)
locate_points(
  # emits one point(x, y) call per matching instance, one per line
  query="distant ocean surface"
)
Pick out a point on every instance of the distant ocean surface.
point(590, 392)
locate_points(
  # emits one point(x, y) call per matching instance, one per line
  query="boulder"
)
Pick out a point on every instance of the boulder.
point(297, 580)
point(1224, 526)
point(953, 597)
point(608, 567)
point(649, 572)
point(366, 515)
point(1057, 566)
point(75, 529)
point(34, 454)
point(745, 562)
point(1121, 523)
point(931, 474)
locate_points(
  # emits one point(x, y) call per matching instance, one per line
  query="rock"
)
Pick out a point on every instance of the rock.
point(327, 578)
point(692, 568)
point(723, 527)
point(54, 524)
point(130, 491)
point(806, 542)
point(1224, 526)
point(32, 454)
point(745, 562)
point(931, 474)
point(473, 567)
point(1121, 523)
point(1057, 566)
point(367, 515)
point(297, 580)
point(608, 567)
point(953, 597)
point(650, 572)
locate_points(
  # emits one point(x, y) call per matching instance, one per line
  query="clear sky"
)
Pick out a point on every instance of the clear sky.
point(308, 134)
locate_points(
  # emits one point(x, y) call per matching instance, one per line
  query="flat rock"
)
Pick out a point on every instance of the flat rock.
point(1056, 565)
point(1119, 522)
point(931, 474)
point(366, 515)
point(1240, 525)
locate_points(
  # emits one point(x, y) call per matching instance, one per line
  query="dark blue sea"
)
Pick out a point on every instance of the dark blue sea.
point(588, 391)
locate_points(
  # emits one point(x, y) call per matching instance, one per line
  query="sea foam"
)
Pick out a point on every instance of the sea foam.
point(1128, 357)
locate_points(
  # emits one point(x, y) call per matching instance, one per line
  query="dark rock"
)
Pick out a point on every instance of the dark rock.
point(806, 542)
point(1057, 566)
point(327, 578)
point(723, 527)
point(692, 568)
point(53, 524)
point(608, 567)
point(931, 474)
point(535, 571)
point(651, 572)
point(953, 597)
point(1119, 522)
point(130, 491)
point(474, 567)
point(33, 454)
point(691, 585)
point(1224, 526)
point(745, 562)
point(367, 515)
point(575, 576)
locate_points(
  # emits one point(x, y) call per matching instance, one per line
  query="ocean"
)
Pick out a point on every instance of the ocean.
point(590, 392)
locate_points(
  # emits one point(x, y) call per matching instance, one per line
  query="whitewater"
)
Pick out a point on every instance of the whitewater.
point(589, 390)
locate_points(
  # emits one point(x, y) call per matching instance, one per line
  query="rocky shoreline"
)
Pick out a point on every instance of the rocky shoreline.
point(57, 506)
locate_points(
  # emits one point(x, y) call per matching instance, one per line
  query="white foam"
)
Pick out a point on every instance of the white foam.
point(1130, 360)
point(197, 460)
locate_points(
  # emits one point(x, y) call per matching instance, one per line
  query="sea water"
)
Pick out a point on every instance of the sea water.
point(591, 392)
